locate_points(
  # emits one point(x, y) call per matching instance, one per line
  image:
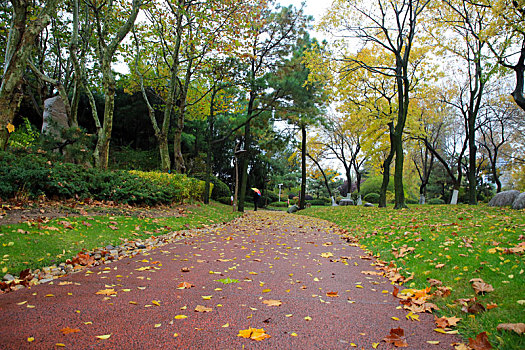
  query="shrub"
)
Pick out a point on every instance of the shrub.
point(225, 200)
point(373, 185)
point(436, 201)
point(272, 196)
point(411, 201)
point(371, 197)
point(220, 189)
point(280, 204)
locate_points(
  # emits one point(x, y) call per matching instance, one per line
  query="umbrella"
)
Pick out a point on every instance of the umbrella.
point(256, 191)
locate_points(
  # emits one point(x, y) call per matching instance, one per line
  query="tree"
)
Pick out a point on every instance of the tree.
point(106, 19)
point(392, 26)
point(26, 24)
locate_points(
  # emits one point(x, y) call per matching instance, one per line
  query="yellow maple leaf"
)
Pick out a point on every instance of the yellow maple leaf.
point(10, 128)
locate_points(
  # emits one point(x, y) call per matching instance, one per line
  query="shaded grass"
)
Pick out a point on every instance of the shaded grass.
point(34, 245)
point(468, 240)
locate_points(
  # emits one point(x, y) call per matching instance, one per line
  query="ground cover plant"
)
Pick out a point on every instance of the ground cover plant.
point(455, 245)
point(38, 242)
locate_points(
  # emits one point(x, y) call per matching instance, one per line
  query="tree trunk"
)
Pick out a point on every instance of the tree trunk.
point(209, 151)
point(398, 173)
point(519, 69)
point(386, 168)
point(244, 166)
point(101, 154)
point(302, 199)
point(20, 43)
point(323, 173)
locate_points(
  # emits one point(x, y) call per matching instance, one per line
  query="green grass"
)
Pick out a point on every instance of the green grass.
point(34, 245)
point(468, 240)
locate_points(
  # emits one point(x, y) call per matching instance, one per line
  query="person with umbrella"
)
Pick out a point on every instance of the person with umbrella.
point(256, 196)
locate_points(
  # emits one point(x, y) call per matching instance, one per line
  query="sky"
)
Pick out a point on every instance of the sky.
point(315, 8)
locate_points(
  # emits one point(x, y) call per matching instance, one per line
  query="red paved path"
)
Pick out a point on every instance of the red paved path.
point(273, 245)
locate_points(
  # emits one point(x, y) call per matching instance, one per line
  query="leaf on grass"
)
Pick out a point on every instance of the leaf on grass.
point(68, 330)
point(480, 343)
point(516, 327)
point(253, 333)
point(272, 302)
point(201, 308)
point(444, 322)
point(396, 337)
point(481, 287)
point(491, 306)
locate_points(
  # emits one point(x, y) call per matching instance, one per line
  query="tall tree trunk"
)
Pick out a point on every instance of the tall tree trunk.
point(244, 164)
point(323, 173)
point(472, 160)
point(386, 168)
point(302, 199)
point(20, 42)
point(519, 69)
point(101, 154)
point(209, 151)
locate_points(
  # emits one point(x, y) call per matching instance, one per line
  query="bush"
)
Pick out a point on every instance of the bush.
point(436, 201)
point(371, 197)
point(411, 201)
point(272, 196)
point(280, 204)
point(373, 185)
point(30, 175)
point(220, 189)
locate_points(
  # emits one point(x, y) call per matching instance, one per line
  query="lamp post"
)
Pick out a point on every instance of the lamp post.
point(280, 191)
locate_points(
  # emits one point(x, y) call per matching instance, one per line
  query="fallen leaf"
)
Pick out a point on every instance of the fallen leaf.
point(272, 302)
point(155, 302)
point(68, 330)
point(491, 306)
point(332, 294)
point(185, 285)
point(30, 339)
point(516, 327)
point(433, 342)
point(266, 290)
point(226, 325)
point(480, 343)
point(106, 292)
point(481, 287)
point(206, 297)
point(200, 308)
point(253, 333)
point(105, 336)
point(180, 317)
point(158, 325)
point(327, 255)
point(396, 337)
point(308, 318)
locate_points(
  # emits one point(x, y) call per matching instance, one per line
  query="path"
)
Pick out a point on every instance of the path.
point(274, 256)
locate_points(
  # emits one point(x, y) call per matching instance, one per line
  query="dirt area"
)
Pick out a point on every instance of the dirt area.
point(17, 212)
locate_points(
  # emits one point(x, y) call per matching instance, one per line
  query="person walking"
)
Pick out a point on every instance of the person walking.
point(256, 195)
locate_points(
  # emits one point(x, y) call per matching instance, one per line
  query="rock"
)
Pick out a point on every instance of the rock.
point(292, 209)
point(45, 280)
point(97, 256)
point(505, 198)
point(368, 205)
point(109, 247)
point(114, 252)
point(140, 246)
point(8, 277)
point(55, 117)
point(519, 202)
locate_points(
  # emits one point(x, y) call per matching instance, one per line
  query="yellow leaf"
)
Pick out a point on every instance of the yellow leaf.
point(180, 317)
point(60, 345)
point(226, 325)
point(10, 128)
point(155, 302)
point(433, 342)
point(359, 286)
point(105, 336)
point(175, 335)
point(308, 318)
point(206, 297)
point(21, 303)
point(266, 290)
point(395, 318)
point(4, 269)
point(49, 295)
point(158, 325)
point(293, 334)
point(375, 345)
point(289, 315)
point(133, 302)
point(30, 339)
point(327, 255)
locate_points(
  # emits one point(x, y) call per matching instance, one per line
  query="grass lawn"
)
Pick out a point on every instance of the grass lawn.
point(453, 244)
point(36, 244)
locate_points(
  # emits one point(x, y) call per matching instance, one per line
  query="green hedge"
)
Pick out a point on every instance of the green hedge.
point(436, 201)
point(30, 175)
point(372, 198)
